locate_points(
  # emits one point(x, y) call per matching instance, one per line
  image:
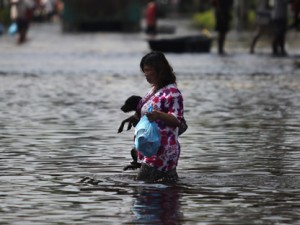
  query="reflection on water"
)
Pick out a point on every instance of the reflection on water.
point(59, 115)
point(157, 205)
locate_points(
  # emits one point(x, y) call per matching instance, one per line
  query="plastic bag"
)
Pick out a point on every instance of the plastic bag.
point(13, 29)
point(147, 136)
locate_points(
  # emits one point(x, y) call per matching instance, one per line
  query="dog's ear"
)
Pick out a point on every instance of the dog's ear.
point(134, 101)
point(136, 98)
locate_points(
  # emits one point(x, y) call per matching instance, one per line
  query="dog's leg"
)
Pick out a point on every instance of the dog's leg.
point(122, 126)
point(134, 164)
point(134, 154)
point(129, 125)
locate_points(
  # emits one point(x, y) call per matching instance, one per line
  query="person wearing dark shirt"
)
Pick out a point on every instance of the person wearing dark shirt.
point(279, 21)
point(223, 18)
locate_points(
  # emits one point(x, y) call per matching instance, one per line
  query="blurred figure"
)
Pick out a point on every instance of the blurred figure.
point(223, 17)
point(2, 8)
point(295, 5)
point(279, 22)
point(151, 18)
point(1, 29)
point(43, 10)
point(263, 21)
point(59, 7)
point(21, 13)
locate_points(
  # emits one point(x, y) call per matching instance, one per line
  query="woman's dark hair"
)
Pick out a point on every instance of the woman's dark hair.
point(164, 71)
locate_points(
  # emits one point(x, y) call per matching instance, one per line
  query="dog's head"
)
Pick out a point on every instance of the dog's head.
point(131, 103)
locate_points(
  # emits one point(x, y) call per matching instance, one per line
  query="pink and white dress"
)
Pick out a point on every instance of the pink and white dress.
point(168, 100)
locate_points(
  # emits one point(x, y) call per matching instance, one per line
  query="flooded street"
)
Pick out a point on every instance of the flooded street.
point(60, 99)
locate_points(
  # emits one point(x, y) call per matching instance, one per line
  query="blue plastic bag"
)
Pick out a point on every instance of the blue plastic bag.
point(13, 29)
point(147, 136)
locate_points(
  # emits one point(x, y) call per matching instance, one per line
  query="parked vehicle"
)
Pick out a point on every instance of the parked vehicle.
point(195, 43)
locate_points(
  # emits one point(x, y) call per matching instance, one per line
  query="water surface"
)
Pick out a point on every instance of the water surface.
point(60, 96)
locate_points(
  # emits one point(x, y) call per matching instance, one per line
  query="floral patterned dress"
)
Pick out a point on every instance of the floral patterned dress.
point(168, 100)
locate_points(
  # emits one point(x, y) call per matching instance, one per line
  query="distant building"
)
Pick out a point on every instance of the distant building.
point(95, 15)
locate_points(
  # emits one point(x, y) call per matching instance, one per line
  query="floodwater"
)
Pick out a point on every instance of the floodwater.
point(60, 96)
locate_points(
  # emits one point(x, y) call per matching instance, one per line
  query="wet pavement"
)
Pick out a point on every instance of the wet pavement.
point(60, 96)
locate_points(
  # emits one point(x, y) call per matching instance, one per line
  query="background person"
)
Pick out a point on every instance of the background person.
point(263, 21)
point(295, 6)
point(279, 23)
point(21, 13)
point(151, 18)
point(223, 16)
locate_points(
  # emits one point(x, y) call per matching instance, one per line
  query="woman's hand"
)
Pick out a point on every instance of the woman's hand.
point(152, 116)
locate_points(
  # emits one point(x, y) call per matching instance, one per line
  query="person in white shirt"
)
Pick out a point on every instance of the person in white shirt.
point(263, 21)
point(21, 13)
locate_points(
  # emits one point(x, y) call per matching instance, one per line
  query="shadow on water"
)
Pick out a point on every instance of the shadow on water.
point(59, 115)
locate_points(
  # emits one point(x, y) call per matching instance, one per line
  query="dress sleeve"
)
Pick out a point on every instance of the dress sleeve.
point(174, 103)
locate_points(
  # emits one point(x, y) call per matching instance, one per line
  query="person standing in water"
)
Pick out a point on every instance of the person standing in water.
point(279, 22)
point(223, 18)
point(151, 18)
point(263, 21)
point(167, 103)
point(21, 13)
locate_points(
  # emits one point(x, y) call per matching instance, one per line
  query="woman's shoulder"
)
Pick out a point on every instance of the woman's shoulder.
point(170, 89)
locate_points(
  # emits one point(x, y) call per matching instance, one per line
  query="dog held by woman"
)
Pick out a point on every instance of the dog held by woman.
point(131, 105)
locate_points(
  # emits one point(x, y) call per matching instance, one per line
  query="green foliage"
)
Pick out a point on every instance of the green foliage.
point(251, 18)
point(5, 16)
point(204, 20)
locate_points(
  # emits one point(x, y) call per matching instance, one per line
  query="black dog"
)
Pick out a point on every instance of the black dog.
point(130, 105)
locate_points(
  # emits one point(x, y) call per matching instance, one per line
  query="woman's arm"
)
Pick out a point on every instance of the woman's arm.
point(169, 119)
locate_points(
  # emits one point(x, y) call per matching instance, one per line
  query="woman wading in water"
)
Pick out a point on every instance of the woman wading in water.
point(167, 103)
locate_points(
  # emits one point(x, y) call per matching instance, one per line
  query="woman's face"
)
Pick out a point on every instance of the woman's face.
point(150, 74)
